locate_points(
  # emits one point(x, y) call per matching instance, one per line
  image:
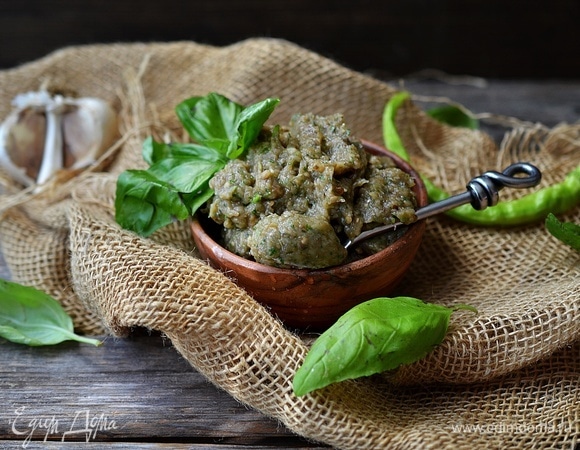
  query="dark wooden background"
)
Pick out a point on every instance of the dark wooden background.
point(489, 38)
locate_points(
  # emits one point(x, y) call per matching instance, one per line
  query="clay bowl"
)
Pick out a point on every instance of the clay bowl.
point(315, 299)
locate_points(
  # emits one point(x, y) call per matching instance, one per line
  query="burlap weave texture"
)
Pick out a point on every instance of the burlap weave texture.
point(511, 372)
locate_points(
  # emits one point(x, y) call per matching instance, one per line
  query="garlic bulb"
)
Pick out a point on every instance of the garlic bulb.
point(45, 134)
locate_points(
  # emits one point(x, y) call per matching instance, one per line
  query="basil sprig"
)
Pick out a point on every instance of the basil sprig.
point(373, 337)
point(176, 183)
point(32, 317)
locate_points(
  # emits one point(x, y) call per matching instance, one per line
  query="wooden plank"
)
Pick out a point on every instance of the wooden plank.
point(137, 389)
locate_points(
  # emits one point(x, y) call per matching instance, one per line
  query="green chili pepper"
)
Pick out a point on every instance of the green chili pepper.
point(557, 198)
point(390, 134)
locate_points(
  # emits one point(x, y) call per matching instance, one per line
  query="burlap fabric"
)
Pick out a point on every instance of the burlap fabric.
point(506, 378)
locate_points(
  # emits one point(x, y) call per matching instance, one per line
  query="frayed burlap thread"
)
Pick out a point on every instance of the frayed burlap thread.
point(504, 378)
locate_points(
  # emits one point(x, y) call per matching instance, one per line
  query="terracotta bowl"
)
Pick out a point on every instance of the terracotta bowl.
point(315, 299)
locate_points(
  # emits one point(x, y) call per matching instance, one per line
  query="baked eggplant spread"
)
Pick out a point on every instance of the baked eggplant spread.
point(300, 190)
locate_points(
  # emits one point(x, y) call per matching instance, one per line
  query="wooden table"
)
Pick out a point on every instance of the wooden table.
point(141, 394)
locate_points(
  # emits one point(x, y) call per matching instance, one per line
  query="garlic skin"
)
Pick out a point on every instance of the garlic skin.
point(45, 134)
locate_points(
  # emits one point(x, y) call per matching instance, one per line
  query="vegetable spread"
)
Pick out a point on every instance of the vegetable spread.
point(299, 190)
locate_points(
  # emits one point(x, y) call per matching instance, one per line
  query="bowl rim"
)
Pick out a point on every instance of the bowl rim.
point(198, 230)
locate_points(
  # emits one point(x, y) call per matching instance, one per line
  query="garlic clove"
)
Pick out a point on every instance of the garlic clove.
point(53, 155)
point(89, 128)
point(22, 145)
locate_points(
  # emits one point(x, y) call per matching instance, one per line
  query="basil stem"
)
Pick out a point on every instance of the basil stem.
point(29, 316)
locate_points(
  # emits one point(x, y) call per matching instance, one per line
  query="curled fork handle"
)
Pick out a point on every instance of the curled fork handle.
point(483, 191)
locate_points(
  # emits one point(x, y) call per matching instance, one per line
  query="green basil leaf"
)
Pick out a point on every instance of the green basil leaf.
point(454, 116)
point(144, 203)
point(249, 124)
point(373, 337)
point(197, 199)
point(210, 120)
point(186, 167)
point(567, 232)
point(221, 124)
point(185, 175)
point(154, 152)
point(29, 316)
point(174, 186)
